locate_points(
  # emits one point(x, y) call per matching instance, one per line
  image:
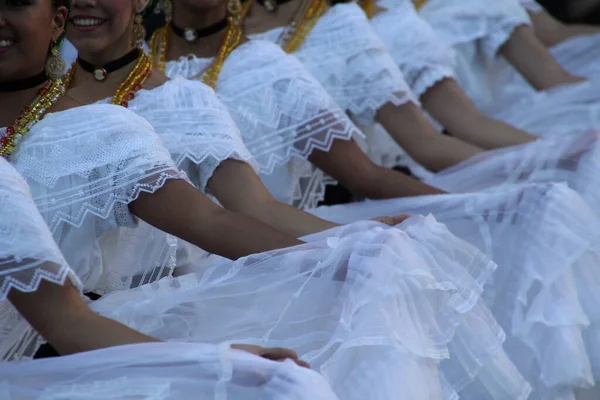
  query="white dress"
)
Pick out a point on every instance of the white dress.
point(161, 371)
point(492, 220)
point(283, 113)
point(477, 29)
point(369, 306)
point(354, 66)
point(578, 54)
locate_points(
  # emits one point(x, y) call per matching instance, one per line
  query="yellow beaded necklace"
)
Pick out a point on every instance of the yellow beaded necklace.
point(31, 115)
point(368, 7)
point(419, 3)
point(159, 47)
point(132, 84)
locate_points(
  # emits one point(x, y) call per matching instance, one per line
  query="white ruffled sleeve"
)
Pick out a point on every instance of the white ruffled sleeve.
point(28, 256)
point(195, 127)
point(532, 6)
point(84, 166)
point(348, 58)
point(490, 22)
point(423, 57)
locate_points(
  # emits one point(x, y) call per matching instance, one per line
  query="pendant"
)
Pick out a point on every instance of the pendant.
point(190, 35)
point(100, 74)
point(271, 5)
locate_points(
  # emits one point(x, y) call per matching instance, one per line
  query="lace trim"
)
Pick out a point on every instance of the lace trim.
point(350, 61)
point(284, 113)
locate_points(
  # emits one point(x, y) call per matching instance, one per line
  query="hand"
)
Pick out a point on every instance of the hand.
point(274, 354)
point(392, 221)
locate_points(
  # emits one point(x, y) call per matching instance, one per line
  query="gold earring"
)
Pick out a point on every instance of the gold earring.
point(167, 7)
point(234, 7)
point(139, 32)
point(55, 66)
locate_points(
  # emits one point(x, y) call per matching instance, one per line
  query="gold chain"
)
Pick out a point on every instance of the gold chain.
point(31, 115)
point(368, 7)
point(296, 32)
point(127, 89)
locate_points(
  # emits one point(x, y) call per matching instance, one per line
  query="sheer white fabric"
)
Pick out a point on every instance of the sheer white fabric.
point(283, 113)
point(84, 166)
point(370, 307)
point(421, 55)
point(532, 6)
point(348, 58)
point(161, 371)
point(28, 256)
point(545, 240)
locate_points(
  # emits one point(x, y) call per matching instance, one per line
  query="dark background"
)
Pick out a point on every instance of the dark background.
point(574, 10)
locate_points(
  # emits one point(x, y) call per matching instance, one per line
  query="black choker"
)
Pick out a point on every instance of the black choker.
point(272, 5)
point(101, 73)
point(191, 35)
point(23, 84)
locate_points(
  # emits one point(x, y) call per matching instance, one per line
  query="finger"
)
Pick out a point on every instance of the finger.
point(279, 353)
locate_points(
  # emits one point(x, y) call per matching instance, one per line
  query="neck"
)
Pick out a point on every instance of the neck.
point(12, 104)
point(190, 17)
point(106, 55)
point(95, 90)
point(187, 17)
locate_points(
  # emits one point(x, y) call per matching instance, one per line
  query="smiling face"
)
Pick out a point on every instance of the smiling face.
point(27, 29)
point(97, 25)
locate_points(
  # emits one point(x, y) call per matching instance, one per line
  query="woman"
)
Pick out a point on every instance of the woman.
point(467, 215)
point(493, 37)
point(40, 291)
point(392, 305)
point(575, 46)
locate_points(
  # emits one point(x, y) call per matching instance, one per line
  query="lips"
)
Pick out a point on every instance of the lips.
point(5, 44)
point(86, 23)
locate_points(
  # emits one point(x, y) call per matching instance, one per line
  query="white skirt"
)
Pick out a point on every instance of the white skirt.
point(544, 294)
point(160, 371)
point(370, 307)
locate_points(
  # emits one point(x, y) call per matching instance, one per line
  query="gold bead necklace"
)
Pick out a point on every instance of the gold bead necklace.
point(31, 115)
point(128, 88)
point(419, 3)
point(159, 48)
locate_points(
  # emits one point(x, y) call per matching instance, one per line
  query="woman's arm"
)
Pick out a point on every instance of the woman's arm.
point(450, 106)
point(59, 314)
point(181, 210)
point(551, 31)
point(239, 189)
point(533, 60)
point(348, 164)
point(414, 133)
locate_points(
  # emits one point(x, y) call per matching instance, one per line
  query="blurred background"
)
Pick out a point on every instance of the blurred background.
point(574, 10)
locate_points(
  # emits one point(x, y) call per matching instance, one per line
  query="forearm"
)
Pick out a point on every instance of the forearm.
point(348, 164)
point(80, 332)
point(533, 60)
point(552, 31)
point(181, 210)
point(451, 107)
point(288, 219)
point(412, 131)
point(59, 314)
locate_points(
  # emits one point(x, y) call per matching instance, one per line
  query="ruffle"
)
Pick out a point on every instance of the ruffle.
point(195, 127)
point(422, 56)
point(283, 112)
point(348, 58)
point(28, 256)
point(370, 307)
point(466, 21)
point(161, 371)
point(545, 240)
point(84, 166)
point(532, 6)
